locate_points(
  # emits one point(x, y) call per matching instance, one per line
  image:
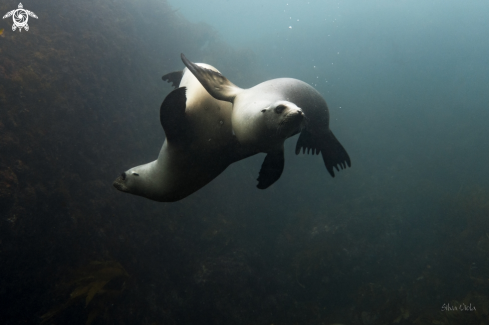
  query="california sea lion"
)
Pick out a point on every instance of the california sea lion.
point(205, 134)
point(258, 114)
point(199, 144)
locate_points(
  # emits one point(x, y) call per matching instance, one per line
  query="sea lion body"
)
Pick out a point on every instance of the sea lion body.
point(249, 103)
point(210, 118)
point(253, 108)
point(199, 145)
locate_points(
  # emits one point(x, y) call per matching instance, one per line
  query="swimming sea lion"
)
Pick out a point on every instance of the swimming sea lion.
point(199, 143)
point(259, 115)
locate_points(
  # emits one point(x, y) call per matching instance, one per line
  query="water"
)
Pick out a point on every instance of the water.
point(401, 236)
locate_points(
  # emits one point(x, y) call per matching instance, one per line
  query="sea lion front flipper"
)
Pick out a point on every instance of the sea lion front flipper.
point(215, 83)
point(331, 149)
point(174, 78)
point(172, 116)
point(271, 169)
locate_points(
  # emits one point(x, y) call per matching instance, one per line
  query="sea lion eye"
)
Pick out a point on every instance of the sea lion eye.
point(123, 176)
point(135, 174)
point(279, 109)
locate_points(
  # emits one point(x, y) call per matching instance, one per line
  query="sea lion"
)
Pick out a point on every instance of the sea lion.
point(205, 134)
point(199, 143)
point(262, 118)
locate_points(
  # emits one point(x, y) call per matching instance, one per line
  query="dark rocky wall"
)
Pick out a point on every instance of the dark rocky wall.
point(77, 95)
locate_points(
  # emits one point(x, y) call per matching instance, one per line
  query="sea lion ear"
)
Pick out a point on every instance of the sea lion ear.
point(271, 169)
point(215, 83)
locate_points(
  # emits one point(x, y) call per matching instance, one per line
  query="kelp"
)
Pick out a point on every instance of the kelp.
point(96, 284)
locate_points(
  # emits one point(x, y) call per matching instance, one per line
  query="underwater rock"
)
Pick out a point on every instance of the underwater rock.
point(8, 140)
point(369, 318)
point(28, 196)
point(20, 167)
point(8, 185)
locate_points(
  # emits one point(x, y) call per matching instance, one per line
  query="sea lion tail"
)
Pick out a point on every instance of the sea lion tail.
point(331, 149)
point(215, 83)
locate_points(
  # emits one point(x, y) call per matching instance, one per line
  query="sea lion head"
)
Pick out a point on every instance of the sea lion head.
point(127, 181)
point(137, 181)
point(266, 124)
point(283, 118)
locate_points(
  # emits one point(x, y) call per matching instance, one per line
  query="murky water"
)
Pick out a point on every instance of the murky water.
point(400, 237)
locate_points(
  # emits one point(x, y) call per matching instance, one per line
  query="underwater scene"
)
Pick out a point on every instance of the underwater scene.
point(244, 162)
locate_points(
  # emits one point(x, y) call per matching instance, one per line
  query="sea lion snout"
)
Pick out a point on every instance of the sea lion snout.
point(300, 114)
point(119, 183)
point(293, 115)
point(291, 121)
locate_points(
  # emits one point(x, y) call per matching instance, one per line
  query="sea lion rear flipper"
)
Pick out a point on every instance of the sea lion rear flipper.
point(215, 83)
point(172, 115)
point(331, 149)
point(174, 78)
point(271, 169)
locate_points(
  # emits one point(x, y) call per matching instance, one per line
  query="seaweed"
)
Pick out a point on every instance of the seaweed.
point(99, 283)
